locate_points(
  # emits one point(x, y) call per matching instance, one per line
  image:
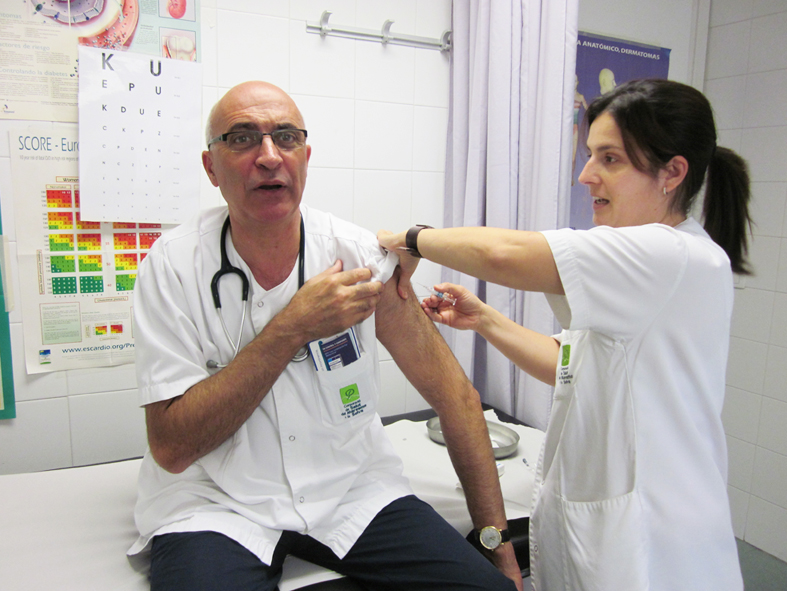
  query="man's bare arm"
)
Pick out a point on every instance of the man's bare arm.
point(427, 362)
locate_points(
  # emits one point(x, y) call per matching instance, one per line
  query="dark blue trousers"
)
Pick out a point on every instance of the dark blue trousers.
point(407, 546)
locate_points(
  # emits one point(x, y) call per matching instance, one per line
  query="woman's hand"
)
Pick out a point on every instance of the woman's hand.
point(407, 262)
point(465, 314)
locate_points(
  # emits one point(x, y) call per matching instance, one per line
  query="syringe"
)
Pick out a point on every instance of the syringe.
point(440, 294)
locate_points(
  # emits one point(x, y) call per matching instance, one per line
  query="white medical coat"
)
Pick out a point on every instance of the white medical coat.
point(631, 486)
point(304, 461)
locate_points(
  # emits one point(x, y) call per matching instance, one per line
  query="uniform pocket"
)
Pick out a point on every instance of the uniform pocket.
point(348, 394)
point(605, 545)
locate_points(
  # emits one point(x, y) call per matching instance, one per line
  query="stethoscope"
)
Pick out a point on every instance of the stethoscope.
point(229, 268)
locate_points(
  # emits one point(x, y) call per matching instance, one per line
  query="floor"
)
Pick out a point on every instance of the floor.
point(761, 571)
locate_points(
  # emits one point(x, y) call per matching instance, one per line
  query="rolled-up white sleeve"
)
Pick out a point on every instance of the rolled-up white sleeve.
point(169, 357)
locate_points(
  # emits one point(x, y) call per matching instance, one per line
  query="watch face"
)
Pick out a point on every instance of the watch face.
point(490, 537)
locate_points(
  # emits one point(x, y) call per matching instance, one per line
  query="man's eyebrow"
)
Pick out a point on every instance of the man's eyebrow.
point(248, 125)
point(242, 126)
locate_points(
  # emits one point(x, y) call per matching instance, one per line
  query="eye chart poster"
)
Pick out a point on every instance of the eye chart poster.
point(76, 276)
point(139, 133)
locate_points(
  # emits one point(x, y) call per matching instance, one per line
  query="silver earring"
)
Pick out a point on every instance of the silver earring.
point(664, 190)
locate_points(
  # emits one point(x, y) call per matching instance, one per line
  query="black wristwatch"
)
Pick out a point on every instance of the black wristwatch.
point(491, 538)
point(411, 239)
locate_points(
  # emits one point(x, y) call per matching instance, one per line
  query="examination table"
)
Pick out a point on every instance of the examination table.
point(70, 529)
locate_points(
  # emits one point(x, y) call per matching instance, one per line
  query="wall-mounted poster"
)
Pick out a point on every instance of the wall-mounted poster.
point(139, 136)
point(76, 276)
point(39, 40)
point(602, 64)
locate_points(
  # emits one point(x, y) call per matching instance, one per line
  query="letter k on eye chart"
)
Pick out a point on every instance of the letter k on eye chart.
point(139, 135)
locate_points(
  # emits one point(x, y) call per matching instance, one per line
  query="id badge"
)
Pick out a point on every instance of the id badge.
point(334, 352)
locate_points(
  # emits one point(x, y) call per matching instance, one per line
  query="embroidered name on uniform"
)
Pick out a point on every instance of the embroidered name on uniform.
point(565, 376)
point(351, 398)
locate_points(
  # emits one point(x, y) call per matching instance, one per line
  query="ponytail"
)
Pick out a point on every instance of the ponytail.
point(726, 208)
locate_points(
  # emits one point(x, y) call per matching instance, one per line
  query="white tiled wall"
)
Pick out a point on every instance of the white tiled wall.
point(746, 78)
point(377, 120)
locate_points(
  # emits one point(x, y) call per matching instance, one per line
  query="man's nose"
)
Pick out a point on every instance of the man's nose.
point(268, 154)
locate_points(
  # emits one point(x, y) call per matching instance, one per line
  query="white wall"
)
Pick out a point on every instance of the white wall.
point(377, 119)
point(663, 23)
point(746, 80)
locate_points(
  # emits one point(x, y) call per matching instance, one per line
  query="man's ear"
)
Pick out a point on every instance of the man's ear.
point(207, 164)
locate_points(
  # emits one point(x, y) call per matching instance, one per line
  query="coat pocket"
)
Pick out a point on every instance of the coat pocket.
point(605, 545)
point(348, 394)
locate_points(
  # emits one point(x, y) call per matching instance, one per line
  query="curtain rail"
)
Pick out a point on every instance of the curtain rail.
point(383, 36)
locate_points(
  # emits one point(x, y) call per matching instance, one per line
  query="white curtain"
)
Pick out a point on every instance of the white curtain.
point(508, 162)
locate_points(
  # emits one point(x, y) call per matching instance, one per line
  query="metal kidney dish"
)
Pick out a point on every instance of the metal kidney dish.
point(504, 440)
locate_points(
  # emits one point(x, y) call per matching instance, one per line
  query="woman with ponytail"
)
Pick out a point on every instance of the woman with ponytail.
point(630, 487)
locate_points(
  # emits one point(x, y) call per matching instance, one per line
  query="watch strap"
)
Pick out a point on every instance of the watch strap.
point(411, 239)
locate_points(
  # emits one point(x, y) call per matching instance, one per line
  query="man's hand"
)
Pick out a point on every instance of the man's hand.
point(333, 301)
point(504, 558)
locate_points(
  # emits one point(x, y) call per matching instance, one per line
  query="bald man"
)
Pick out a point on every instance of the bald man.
point(263, 434)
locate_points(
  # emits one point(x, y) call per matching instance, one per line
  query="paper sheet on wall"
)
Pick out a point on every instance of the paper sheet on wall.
point(76, 276)
point(139, 136)
point(39, 40)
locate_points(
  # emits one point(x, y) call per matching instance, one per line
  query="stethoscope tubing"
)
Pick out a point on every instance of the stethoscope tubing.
point(227, 268)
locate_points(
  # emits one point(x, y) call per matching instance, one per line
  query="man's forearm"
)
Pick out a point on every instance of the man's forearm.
point(427, 362)
point(429, 365)
point(182, 430)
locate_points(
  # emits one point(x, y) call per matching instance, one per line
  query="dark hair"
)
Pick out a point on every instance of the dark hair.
point(660, 119)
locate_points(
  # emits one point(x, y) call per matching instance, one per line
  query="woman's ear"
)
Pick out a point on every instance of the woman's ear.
point(674, 172)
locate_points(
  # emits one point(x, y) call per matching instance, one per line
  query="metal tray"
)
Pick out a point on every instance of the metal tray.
point(504, 440)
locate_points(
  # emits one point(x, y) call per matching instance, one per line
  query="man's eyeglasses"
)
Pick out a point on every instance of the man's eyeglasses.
point(239, 141)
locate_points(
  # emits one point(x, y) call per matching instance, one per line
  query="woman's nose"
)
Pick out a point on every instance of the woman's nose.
point(586, 177)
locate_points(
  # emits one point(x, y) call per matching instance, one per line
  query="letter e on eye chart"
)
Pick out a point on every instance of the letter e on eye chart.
point(139, 136)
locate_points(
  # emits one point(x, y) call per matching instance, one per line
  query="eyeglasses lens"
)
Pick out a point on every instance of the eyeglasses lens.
point(284, 139)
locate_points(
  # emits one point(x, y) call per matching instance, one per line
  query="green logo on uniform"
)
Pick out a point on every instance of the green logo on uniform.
point(566, 355)
point(350, 393)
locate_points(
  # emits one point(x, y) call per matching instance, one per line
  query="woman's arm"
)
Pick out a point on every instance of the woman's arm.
point(532, 352)
point(513, 258)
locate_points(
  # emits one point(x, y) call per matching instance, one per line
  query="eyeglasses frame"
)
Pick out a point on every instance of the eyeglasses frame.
point(223, 137)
